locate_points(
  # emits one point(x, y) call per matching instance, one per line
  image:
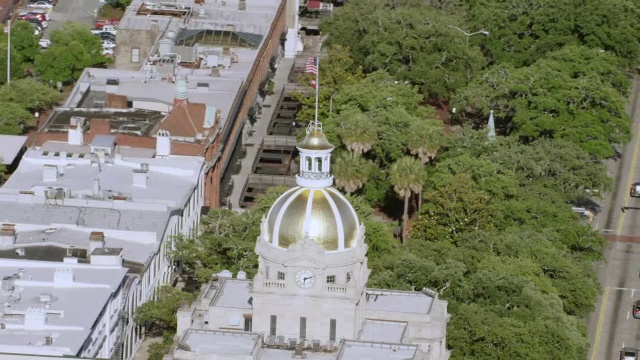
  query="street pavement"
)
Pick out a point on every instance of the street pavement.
point(611, 325)
point(82, 11)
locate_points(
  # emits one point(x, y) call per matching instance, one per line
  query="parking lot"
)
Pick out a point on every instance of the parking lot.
point(82, 11)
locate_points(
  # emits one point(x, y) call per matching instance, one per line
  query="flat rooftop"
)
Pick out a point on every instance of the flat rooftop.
point(74, 305)
point(382, 331)
point(139, 122)
point(398, 301)
point(83, 178)
point(10, 146)
point(200, 34)
point(357, 350)
point(222, 342)
point(233, 294)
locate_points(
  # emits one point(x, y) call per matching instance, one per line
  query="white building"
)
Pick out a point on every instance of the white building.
point(310, 294)
point(106, 205)
point(60, 309)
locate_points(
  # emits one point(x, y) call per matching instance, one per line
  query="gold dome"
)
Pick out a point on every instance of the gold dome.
point(315, 140)
point(321, 214)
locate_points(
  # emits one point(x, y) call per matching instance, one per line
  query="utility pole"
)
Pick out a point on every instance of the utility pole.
point(9, 52)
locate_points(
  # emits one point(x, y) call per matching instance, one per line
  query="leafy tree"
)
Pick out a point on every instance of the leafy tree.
point(161, 313)
point(350, 172)
point(15, 67)
point(356, 131)
point(425, 138)
point(407, 176)
point(29, 94)
point(73, 49)
point(550, 99)
point(24, 41)
point(410, 40)
point(120, 4)
point(13, 118)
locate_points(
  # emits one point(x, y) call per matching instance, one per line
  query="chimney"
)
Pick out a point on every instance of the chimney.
point(96, 240)
point(181, 93)
point(62, 277)
point(49, 173)
point(140, 176)
point(163, 144)
point(100, 126)
point(96, 187)
point(35, 319)
point(106, 257)
point(242, 5)
point(112, 86)
point(74, 136)
point(7, 235)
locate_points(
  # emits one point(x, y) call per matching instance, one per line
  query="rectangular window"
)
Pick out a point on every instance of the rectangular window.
point(331, 279)
point(266, 272)
point(332, 329)
point(248, 322)
point(272, 325)
point(135, 55)
point(348, 276)
point(303, 328)
point(280, 275)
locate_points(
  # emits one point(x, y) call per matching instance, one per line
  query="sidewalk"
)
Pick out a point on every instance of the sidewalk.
point(259, 131)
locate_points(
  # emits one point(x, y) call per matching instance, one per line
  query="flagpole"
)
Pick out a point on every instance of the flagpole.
point(317, 86)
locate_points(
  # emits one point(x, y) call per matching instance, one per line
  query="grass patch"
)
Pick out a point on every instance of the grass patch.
point(109, 12)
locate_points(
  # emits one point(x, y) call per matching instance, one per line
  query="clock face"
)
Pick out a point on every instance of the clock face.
point(305, 278)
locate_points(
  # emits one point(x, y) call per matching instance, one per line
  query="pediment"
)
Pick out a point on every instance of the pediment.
point(304, 261)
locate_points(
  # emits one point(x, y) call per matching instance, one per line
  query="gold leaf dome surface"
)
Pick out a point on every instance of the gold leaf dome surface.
point(322, 214)
point(315, 140)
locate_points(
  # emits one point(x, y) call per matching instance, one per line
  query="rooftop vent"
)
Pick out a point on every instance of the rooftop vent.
point(48, 341)
point(45, 297)
point(49, 173)
point(141, 175)
point(7, 235)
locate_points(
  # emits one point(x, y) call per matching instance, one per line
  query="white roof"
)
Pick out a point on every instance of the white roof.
point(357, 350)
point(254, 22)
point(180, 174)
point(233, 294)
point(222, 342)
point(382, 331)
point(398, 301)
point(73, 307)
point(10, 146)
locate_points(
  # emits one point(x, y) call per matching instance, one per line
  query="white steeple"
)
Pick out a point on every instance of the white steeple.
point(492, 127)
point(315, 158)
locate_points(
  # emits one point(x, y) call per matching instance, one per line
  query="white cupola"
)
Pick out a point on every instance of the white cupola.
point(315, 159)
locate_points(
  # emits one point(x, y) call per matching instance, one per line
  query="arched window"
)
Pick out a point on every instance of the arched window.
point(319, 163)
point(309, 163)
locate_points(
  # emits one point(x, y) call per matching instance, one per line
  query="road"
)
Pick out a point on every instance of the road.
point(612, 326)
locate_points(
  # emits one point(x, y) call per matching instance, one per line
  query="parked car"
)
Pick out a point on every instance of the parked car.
point(107, 44)
point(43, 12)
point(50, 2)
point(107, 52)
point(41, 4)
point(27, 16)
point(111, 22)
point(635, 190)
point(42, 24)
point(106, 36)
point(44, 43)
point(636, 309)
point(110, 29)
point(629, 353)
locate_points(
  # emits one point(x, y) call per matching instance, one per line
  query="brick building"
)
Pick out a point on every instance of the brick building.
point(192, 72)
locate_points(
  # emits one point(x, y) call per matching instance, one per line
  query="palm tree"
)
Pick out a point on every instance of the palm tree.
point(425, 138)
point(406, 175)
point(357, 131)
point(351, 171)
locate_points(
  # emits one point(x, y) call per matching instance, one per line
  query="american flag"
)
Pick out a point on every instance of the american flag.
point(312, 66)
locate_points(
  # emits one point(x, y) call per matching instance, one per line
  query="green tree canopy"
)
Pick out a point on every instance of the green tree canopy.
point(24, 41)
point(13, 118)
point(29, 94)
point(73, 49)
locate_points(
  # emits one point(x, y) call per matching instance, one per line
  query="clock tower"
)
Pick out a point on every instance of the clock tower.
point(313, 269)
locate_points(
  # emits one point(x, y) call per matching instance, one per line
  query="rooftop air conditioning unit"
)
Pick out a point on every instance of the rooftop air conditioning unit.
point(48, 340)
point(315, 344)
point(292, 342)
